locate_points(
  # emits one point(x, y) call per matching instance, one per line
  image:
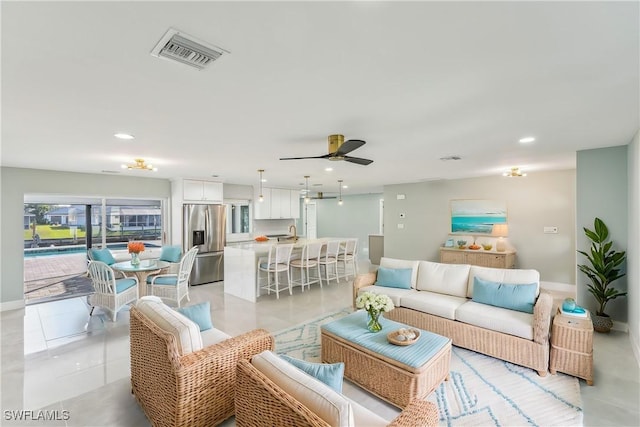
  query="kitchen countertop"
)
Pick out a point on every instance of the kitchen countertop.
point(264, 246)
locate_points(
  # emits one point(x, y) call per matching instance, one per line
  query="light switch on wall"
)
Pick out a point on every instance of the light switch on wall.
point(400, 226)
point(550, 230)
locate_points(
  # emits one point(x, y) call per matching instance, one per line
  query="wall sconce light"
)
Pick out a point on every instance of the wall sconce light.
point(307, 199)
point(261, 197)
point(340, 189)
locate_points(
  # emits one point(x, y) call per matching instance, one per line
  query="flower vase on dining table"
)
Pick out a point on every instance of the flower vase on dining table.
point(135, 259)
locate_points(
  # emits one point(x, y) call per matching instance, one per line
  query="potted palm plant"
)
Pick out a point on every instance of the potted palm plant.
point(602, 270)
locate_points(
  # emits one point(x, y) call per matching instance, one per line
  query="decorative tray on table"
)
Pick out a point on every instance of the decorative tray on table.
point(403, 336)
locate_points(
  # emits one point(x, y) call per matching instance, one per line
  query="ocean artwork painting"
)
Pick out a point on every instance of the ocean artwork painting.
point(477, 216)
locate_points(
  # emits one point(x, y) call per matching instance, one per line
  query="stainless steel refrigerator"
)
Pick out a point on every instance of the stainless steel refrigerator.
point(204, 226)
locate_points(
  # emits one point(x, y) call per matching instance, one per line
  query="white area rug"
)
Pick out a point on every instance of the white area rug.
point(481, 391)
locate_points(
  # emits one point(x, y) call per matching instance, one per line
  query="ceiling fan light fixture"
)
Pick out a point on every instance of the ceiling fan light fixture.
point(515, 172)
point(139, 165)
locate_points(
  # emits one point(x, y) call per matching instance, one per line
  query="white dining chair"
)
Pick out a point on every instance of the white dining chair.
point(329, 260)
point(273, 265)
point(347, 258)
point(174, 286)
point(308, 261)
point(111, 293)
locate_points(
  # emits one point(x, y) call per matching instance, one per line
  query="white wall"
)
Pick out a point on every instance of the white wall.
point(16, 182)
point(358, 216)
point(633, 248)
point(602, 191)
point(533, 202)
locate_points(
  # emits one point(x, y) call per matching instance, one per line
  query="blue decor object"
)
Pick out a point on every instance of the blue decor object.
point(171, 253)
point(394, 277)
point(569, 304)
point(103, 255)
point(329, 373)
point(505, 295)
point(199, 313)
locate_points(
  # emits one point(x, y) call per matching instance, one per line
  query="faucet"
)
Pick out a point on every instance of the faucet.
point(295, 231)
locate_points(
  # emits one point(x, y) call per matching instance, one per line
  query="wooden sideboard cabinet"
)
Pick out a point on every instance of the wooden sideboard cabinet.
point(506, 259)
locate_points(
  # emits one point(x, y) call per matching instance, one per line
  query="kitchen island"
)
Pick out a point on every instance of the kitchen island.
point(241, 265)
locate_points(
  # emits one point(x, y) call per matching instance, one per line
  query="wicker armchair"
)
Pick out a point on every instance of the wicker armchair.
point(196, 389)
point(261, 403)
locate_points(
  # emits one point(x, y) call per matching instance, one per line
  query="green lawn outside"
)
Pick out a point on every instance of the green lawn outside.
point(50, 232)
point(47, 232)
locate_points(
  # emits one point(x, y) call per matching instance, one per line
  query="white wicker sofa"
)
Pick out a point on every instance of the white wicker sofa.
point(440, 300)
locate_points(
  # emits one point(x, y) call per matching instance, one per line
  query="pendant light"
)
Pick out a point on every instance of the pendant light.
point(261, 197)
point(340, 189)
point(307, 199)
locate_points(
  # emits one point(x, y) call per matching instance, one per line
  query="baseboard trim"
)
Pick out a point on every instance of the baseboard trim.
point(11, 305)
point(620, 326)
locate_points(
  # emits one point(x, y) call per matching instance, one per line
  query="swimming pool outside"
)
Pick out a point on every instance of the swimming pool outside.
point(76, 249)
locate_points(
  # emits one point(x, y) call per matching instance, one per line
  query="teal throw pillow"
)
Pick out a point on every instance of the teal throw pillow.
point(394, 277)
point(171, 253)
point(329, 373)
point(199, 313)
point(512, 296)
point(103, 255)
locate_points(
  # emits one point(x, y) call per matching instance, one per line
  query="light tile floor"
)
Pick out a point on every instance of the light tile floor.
point(56, 357)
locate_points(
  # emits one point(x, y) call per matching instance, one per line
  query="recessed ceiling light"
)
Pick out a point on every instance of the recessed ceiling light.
point(527, 139)
point(328, 169)
point(124, 136)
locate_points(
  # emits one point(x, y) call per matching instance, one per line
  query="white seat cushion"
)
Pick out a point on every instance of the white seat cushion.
point(496, 319)
point(394, 293)
point(364, 417)
point(318, 397)
point(433, 303)
point(503, 275)
point(213, 336)
point(187, 332)
point(447, 279)
point(401, 263)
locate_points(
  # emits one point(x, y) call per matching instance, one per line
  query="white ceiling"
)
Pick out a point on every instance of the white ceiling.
point(417, 81)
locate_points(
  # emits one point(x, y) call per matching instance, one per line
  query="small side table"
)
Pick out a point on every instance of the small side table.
point(572, 346)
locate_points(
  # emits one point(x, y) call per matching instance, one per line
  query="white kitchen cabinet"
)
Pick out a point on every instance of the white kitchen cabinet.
point(262, 209)
point(202, 191)
point(278, 203)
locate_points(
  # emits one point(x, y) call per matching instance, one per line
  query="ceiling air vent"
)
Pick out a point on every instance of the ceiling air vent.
point(183, 48)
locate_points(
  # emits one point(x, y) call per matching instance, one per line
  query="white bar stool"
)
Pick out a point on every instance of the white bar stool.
point(277, 262)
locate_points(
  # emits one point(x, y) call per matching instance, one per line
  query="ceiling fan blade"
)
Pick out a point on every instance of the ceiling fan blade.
point(349, 146)
point(324, 156)
point(358, 160)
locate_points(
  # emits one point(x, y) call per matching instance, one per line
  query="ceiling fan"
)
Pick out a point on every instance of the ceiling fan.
point(338, 150)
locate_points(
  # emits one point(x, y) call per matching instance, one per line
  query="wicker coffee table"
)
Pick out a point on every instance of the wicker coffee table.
point(396, 374)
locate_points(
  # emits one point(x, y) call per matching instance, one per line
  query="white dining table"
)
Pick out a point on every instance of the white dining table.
point(141, 271)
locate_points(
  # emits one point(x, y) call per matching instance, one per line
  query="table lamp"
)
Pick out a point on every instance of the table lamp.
point(500, 231)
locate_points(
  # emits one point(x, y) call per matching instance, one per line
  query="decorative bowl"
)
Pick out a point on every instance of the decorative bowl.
point(403, 336)
point(487, 246)
point(261, 239)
